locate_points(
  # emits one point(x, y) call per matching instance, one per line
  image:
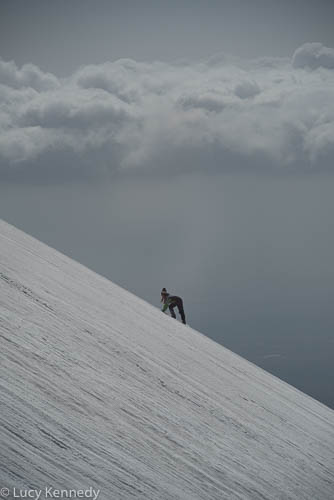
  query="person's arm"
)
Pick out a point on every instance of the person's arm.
point(164, 307)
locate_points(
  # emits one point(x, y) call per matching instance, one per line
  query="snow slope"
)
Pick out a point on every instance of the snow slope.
point(100, 389)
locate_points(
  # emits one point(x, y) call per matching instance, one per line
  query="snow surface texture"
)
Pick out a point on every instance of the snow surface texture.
point(100, 389)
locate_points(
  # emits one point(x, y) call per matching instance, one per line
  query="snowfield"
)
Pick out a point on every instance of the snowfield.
point(100, 390)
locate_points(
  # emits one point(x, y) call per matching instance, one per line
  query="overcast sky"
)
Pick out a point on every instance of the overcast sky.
point(188, 145)
point(63, 35)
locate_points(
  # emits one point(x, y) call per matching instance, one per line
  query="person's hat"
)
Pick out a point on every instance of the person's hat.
point(164, 291)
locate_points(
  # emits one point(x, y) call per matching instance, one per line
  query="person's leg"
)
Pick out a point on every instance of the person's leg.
point(181, 311)
point(171, 309)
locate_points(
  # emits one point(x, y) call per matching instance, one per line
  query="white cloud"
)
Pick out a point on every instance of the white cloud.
point(246, 89)
point(313, 55)
point(28, 76)
point(222, 113)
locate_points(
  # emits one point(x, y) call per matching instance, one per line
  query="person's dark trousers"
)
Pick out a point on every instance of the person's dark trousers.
point(171, 310)
point(179, 304)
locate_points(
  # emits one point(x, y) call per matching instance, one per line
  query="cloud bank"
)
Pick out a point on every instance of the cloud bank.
point(125, 116)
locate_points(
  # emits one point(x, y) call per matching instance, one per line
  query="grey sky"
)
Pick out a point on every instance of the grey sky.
point(209, 172)
point(60, 36)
